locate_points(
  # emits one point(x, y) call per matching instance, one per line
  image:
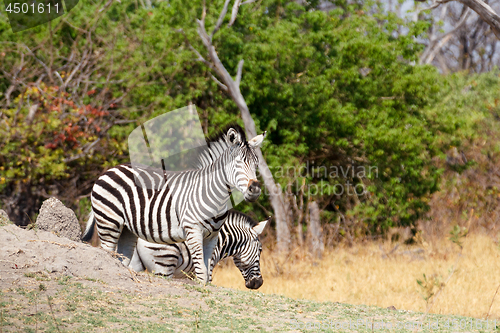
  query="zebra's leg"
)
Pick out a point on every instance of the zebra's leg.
point(126, 245)
point(136, 262)
point(166, 261)
point(108, 237)
point(194, 242)
point(109, 225)
point(209, 245)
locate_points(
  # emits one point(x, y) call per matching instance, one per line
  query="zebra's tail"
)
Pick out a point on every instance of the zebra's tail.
point(89, 230)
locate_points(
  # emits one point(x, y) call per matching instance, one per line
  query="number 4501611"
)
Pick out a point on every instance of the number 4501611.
point(31, 8)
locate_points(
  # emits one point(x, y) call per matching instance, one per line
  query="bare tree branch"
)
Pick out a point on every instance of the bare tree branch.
point(442, 42)
point(233, 89)
point(435, 4)
point(234, 13)
point(215, 62)
point(480, 7)
point(238, 73)
point(200, 57)
point(204, 12)
point(221, 18)
point(222, 85)
point(85, 151)
point(486, 13)
point(80, 65)
point(60, 78)
point(436, 44)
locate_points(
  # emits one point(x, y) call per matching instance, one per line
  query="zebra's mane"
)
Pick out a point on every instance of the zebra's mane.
point(203, 156)
point(239, 216)
point(220, 135)
point(217, 144)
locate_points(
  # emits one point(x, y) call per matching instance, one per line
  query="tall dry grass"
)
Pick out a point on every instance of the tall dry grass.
point(379, 274)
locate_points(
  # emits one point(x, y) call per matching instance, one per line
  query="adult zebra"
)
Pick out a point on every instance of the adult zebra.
point(171, 207)
point(238, 238)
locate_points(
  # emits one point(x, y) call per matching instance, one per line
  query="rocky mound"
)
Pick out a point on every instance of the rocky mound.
point(4, 218)
point(55, 217)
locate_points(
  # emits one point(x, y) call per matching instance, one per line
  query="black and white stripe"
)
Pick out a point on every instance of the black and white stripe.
point(171, 207)
point(238, 238)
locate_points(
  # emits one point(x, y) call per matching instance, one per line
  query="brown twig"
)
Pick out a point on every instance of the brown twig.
point(133, 274)
point(36, 311)
point(492, 300)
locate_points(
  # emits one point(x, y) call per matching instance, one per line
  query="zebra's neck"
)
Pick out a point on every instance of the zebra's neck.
point(222, 250)
point(210, 199)
point(226, 246)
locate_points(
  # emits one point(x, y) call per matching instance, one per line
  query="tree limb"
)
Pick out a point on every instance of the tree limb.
point(238, 72)
point(233, 89)
point(234, 13)
point(222, 85)
point(435, 4)
point(221, 18)
point(480, 7)
point(437, 44)
point(486, 13)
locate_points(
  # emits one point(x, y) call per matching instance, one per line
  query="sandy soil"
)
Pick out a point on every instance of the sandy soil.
point(27, 253)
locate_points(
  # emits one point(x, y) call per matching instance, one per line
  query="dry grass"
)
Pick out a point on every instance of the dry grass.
point(370, 274)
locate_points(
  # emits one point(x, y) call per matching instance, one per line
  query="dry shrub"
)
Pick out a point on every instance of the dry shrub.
point(469, 198)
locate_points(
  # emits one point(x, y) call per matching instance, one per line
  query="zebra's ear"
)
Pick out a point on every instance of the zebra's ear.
point(233, 136)
point(257, 141)
point(260, 226)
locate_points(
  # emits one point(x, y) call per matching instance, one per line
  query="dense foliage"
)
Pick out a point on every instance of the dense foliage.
point(346, 105)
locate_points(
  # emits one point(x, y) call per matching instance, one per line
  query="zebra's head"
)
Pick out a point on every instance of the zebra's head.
point(246, 255)
point(242, 166)
point(239, 159)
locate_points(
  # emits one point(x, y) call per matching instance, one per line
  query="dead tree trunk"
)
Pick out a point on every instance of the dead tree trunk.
point(486, 13)
point(480, 7)
point(232, 87)
point(299, 211)
point(314, 234)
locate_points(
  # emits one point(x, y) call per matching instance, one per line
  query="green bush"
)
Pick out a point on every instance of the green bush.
point(335, 90)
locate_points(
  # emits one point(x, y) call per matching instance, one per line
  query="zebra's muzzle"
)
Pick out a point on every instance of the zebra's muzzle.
point(254, 283)
point(253, 191)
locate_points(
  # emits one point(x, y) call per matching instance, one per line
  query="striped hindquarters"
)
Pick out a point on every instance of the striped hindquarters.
point(137, 199)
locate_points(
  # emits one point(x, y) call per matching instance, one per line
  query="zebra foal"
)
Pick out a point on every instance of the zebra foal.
point(238, 238)
point(171, 207)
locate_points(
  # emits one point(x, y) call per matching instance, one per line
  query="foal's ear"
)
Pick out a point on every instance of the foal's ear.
point(233, 137)
point(260, 226)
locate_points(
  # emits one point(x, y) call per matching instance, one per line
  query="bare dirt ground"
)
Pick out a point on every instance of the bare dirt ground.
point(26, 253)
point(52, 284)
point(37, 266)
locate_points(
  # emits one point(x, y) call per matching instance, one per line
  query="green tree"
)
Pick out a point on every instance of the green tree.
point(335, 90)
